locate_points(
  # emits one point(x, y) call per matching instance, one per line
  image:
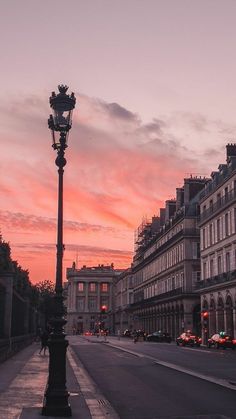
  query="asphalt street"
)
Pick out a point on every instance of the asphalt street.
point(158, 380)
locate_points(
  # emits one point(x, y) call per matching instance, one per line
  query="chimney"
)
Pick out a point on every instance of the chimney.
point(192, 186)
point(170, 208)
point(230, 151)
point(179, 198)
point(162, 216)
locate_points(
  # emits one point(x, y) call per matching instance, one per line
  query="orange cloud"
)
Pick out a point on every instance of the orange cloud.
point(118, 170)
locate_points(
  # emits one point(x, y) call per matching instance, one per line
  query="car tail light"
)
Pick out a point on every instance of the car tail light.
point(200, 339)
point(234, 341)
point(221, 340)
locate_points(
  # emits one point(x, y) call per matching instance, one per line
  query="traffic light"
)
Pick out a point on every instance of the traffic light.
point(205, 315)
point(103, 309)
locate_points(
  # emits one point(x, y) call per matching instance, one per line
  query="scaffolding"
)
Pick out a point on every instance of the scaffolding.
point(145, 233)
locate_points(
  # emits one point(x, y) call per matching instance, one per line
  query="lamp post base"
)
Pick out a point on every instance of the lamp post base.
point(56, 395)
point(54, 408)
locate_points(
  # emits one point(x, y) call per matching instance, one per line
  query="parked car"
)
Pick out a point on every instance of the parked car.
point(221, 340)
point(188, 339)
point(127, 333)
point(88, 333)
point(159, 337)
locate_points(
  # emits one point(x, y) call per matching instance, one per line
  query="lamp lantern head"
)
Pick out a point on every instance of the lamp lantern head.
point(60, 121)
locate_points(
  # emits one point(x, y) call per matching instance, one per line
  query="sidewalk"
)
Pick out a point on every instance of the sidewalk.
point(23, 380)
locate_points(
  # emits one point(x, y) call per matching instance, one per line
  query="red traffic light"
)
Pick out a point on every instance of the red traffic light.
point(104, 308)
point(205, 314)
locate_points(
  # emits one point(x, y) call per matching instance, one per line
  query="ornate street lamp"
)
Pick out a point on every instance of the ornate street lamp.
point(56, 394)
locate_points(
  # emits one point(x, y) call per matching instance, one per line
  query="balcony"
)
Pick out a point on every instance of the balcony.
point(159, 297)
point(215, 280)
point(181, 234)
point(219, 205)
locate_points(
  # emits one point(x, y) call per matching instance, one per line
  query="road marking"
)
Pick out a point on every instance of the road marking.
point(215, 380)
point(205, 351)
point(98, 405)
point(126, 350)
point(211, 379)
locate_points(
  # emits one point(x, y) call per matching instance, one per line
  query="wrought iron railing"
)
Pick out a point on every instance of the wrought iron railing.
point(8, 347)
point(220, 204)
point(217, 279)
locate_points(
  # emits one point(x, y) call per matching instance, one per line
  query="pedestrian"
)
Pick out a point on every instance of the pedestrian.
point(44, 342)
point(135, 335)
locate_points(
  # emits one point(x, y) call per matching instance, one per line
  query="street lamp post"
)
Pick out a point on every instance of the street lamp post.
point(56, 394)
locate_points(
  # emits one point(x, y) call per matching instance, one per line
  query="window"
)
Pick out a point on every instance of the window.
point(198, 250)
point(80, 304)
point(227, 262)
point(80, 286)
point(92, 303)
point(211, 205)
point(204, 238)
point(218, 229)
point(226, 194)
point(104, 287)
point(211, 268)
point(204, 270)
point(194, 250)
point(92, 286)
point(196, 276)
point(211, 234)
point(226, 224)
point(219, 265)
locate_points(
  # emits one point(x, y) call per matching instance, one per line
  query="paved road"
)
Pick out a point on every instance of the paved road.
point(138, 386)
point(212, 362)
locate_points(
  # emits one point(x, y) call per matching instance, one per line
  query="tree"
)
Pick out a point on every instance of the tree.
point(45, 291)
point(5, 256)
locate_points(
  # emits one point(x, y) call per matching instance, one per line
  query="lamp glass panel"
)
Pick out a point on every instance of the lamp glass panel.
point(62, 119)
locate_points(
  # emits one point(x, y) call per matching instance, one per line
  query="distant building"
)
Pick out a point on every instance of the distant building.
point(218, 248)
point(123, 299)
point(89, 290)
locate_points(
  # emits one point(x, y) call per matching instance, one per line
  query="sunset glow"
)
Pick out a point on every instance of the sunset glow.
point(140, 125)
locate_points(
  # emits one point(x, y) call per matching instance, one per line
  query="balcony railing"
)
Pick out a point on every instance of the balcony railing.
point(218, 279)
point(186, 232)
point(168, 294)
point(220, 204)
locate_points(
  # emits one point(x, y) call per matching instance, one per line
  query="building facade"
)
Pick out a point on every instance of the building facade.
point(123, 300)
point(217, 287)
point(166, 266)
point(89, 292)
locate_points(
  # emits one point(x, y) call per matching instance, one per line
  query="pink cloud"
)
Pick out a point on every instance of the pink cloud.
point(118, 170)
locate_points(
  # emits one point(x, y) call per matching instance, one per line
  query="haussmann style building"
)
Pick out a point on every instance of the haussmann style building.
point(166, 265)
point(217, 287)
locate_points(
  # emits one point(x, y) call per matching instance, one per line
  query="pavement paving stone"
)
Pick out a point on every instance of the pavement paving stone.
point(23, 380)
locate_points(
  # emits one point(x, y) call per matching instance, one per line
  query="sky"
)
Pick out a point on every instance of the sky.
point(155, 88)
